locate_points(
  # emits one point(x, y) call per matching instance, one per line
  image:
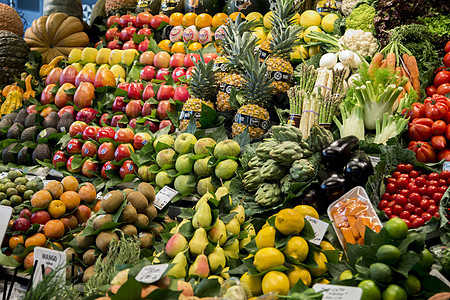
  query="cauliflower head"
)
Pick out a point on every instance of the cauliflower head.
point(347, 6)
point(361, 18)
point(360, 41)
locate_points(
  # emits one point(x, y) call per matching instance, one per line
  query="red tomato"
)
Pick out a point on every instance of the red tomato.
point(405, 214)
point(423, 150)
point(433, 183)
point(415, 199)
point(386, 196)
point(436, 111)
point(390, 188)
point(418, 222)
point(447, 60)
point(388, 211)
point(443, 89)
point(408, 223)
point(424, 205)
point(413, 217)
point(393, 217)
point(441, 77)
point(436, 215)
point(409, 207)
point(420, 182)
point(438, 142)
point(382, 204)
point(433, 176)
point(418, 211)
point(431, 190)
point(416, 111)
point(414, 174)
point(414, 189)
point(420, 129)
point(409, 168)
point(443, 188)
point(430, 90)
point(442, 182)
point(438, 128)
point(423, 191)
point(391, 204)
point(444, 175)
point(391, 180)
point(401, 168)
point(396, 174)
point(401, 183)
point(437, 197)
point(444, 155)
point(397, 209)
point(426, 216)
point(432, 209)
point(447, 47)
point(431, 202)
point(405, 193)
point(401, 199)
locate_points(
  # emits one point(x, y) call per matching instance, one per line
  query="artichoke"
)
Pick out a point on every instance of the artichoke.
point(319, 138)
point(268, 194)
point(255, 162)
point(302, 170)
point(286, 152)
point(265, 147)
point(252, 180)
point(284, 133)
point(286, 182)
point(271, 170)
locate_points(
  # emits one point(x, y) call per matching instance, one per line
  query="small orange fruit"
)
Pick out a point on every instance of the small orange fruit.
point(87, 193)
point(176, 19)
point(29, 261)
point(18, 259)
point(178, 47)
point(219, 19)
point(83, 213)
point(15, 240)
point(234, 15)
point(41, 199)
point(56, 208)
point(71, 199)
point(55, 246)
point(70, 222)
point(164, 45)
point(203, 20)
point(70, 183)
point(195, 46)
point(55, 188)
point(189, 19)
point(97, 206)
point(54, 229)
point(37, 239)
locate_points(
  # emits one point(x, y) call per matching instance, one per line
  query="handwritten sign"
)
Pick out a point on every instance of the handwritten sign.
point(319, 227)
point(50, 260)
point(338, 292)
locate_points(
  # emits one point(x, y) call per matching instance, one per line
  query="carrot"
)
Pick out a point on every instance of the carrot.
point(376, 61)
point(405, 57)
point(411, 64)
point(398, 72)
point(404, 73)
point(383, 64)
point(390, 61)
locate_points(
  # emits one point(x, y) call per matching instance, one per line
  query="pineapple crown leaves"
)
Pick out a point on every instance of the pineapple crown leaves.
point(284, 12)
point(202, 80)
point(238, 49)
point(284, 40)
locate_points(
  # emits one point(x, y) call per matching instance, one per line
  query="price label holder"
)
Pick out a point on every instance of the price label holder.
point(151, 273)
point(338, 292)
point(49, 260)
point(441, 277)
point(319, 227)
point(164, 196)
point(374, 160)
point(446, 166)
point(5, 215)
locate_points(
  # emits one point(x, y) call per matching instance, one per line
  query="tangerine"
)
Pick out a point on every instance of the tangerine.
point(70, 183)
point(87, 193)
point(234, 15)
point(38, 240)
point(178, 47)
point(176, 19)
point(189, 19)
point(97, 206)
point(55, 188)
point(219, 19)
point(54, 229)
point(15, 240)
point(29, 261)
point(56, 208)
point(203, 20)
point(164, 45)
point(71, 199)
point(41, 199)
point(195, 46)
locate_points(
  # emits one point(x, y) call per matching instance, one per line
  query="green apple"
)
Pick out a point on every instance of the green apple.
point(227, 148)
point(162, 179)
point(166, 158)
point(201, 146)
point(185, 184)
point(166, 139)
point(184, 164)
point(226, 168)
point(145, 174)
point(201, 167)
point(204, 185)
point(184, 143)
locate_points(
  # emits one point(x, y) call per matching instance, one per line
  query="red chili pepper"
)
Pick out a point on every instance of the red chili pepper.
point(420, 129)
point(423, 150)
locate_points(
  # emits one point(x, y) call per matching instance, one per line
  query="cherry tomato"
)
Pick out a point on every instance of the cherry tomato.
point(414, 189)
point(432, 202)
point(408, 223)
point(409, 207)
point(418, 211)
point(405, 193)
point(401, 199)
point(448, 181)
point(405, 214)
point(413, 174)
point(443, 189)
point(393, 216)
point(390, 188)
point(414, 199)
point(424, 176)
point(388, 211)
point(426, 197)
point(406, 175)
point(447, 59)
point(413, 217)
point(433, 183)
point(443, 89)
point(409, 168)
point(420, 181)
point(397, 209)
point(447, 47)
point(442, 182)
point(438, 127)
point(441, 77)
point(423, 191)
point(418, 222)
point(396, 174)
point(426, 216)
point(437, 197)
point(432, 209)
point(431, 190)
point(436, 215)
point(412, 180)
point(391, 180)
point(444, 175)
point(391, 204)
point(382, 204)
point(386, 196)
point(401, 183)
point(433, 176)
point(430, 90)
point(424, 204)
point(401, 168)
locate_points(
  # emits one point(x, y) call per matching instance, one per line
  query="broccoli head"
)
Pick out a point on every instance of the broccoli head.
point(362, 18)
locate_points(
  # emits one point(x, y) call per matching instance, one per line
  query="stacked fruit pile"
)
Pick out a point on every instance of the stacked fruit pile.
point(15, 189)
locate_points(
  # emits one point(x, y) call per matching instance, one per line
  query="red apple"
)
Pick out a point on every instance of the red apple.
point(125, 20)
point(53, 76)
point(105, 133)
point(177, 60)
point(85, 75)
point(68, 75)
point(112, 33)
point(21, 224)
point(106, 151)
point(84, 95)
point(61, 98)
point(133, 123)
point(130, 45)
point(69, 165)
point(163, 107)
point(114, 44)
point(163, 74)
point(104, 120)
point(59, 158)
point(161, 59)
point(32, 109)
point(157, 20)
point(140, 140)
point(25, 213)
point(153, 127)
point(133, 108)
point(108, 166)
point(209, 56)
point(104, 77)
point(165, 123)
point(47, 97)
point(148, 92)
point(128, 167)
point(148, 73)
point(40, 217)
point(143, 18)
point(189, 72)
point(74, 146)
point(177, 73)
point(134, 90)
point(123, 86)
point(143, 46)
point(147, 109)
point(124, 135)
point(90, 132)
point(115, 121)
point(165, 92)
point(190, 59)
point(147, 58)
point(123, 151)
point(112, 21)
point(89, 149)
point(77, 128)
point(181, 93)
point(118, 104)
point(66, 109)
point(87, 115)
point(88, 167)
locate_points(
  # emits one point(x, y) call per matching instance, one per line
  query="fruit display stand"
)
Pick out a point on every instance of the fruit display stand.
point(247, 150)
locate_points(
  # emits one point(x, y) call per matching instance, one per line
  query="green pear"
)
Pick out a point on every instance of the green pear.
point(218, 233)
point(224, 274)
point(200, 266)
point(217, 258)
point(232, 250)
point(223, 191)
point(201, 167)
point(233, 226)
point(179, 270)
point(204, 186)
point(240, 214)
point(198, 242)
point(203, 199)
point(202, 217)
point(177, 228)
point(176, 244)
point(251, 233)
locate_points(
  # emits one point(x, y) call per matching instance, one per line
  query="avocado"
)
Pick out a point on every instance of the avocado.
point(41, 152)
point(7, 156)
point(24, 156)
point(29, 134)
point(30, 120)
point(46, 133)
point(14, 131)
point(11, 116)
point(21, 116)
point(64, 122)
point(51, 120)
point(5, 123)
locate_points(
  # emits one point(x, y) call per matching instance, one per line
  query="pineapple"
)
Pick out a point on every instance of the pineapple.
point(202, 90)
point(113, 7)
point(256, 91)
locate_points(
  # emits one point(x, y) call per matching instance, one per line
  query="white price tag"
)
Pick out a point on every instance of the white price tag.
point(319, 227)
point(50, 260)
point(446, 166)
point(5, 215)
point(3, 175)
point(441, 277)
point(374, 160)
point(164, 196)
point(338, 292)
point(152, 273)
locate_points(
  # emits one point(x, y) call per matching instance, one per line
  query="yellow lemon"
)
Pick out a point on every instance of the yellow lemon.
point(265, 237)
point(253, 282)
point(289, 221)
point(268, 258)
point(326, 246)
point(267, 21)
point(347, 274)
point(195, 46)
point(298, 53)
point(307, 210)
point(328, 22)
point(295, 19)
point(254, 16)
point(177, 47)
point(297, 248)
point(310, 18)
point(74, 55)
point(298, 273)
point(313, 50)
point(308, 30)
point(260, 33)
point(275, 281)
point(323, 281)
point(321, 268)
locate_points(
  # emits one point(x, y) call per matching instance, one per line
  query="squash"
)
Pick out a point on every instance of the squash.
point(13, 56)
point(97, 11)
point(13, 101)
point(10, 20)
point(55, 35)
point(69, 7)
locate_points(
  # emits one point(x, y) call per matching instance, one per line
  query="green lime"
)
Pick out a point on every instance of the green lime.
point(396, 228)
point(388, 254)
point(28, 194)
point(370, 289)
point(31, 185)
point(9, 185)
point(412, 285)
point(21, 181)
point(2, 187)
point(394, 292)
point(5, 202)
point(5, 180)
point(12, 175)
point(419, 242)
point(11, 191)
point(15, 200)
point(21, 189)
point(347, 274)
point(426, 259)
point(381, 273)
point(3, 196)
